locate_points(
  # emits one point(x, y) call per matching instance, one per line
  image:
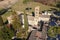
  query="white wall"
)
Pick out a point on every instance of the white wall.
point(44, 19)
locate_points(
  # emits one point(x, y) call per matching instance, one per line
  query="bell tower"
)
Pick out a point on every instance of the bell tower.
point(37, 11)
point(36, 14)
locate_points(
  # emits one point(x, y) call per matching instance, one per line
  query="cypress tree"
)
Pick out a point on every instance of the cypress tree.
point(1, 21)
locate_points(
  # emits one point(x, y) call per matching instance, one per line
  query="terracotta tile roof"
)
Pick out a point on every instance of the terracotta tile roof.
point(35, 35)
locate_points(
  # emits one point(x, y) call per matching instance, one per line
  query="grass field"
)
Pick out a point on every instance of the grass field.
point(19, 6)
point(7, 14)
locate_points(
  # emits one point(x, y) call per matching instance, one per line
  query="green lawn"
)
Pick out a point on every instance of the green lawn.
point(19, 6)
point(7, 14)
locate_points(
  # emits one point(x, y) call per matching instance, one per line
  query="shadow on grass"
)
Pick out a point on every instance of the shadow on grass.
point(23, 38)
point(4, 11)
point(19, 39)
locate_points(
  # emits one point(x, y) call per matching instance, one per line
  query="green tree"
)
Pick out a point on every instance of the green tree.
point(6, 33)
point(52, 32)
point(16, 21)
point(1, 21)
point(58, 5)
point(26, 24)
point(17, 24)
point(24, 31)
point(25, 21)
point(21, 32)
point(58, 30)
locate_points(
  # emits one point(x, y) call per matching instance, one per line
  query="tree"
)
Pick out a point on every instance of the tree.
point(52, 32)
point(1, 21)
point(21, 32)
point(26, 23)
point(6, 33)
point(58, 30)
point(24, 31)
point(16, 21)
point(58, 5)
point(17, 25)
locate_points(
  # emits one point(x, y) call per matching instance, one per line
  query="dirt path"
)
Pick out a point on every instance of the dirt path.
point(7, 3)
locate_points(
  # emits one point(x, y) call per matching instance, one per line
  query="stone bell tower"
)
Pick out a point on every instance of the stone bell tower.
point(37, 11)
point(36, 14)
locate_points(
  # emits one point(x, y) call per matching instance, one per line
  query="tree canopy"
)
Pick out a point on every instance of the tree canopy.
point(24, 31)
point(58, 5)
point(16, 21)
point(6, 33)
point(53, 31)
point(1, 21)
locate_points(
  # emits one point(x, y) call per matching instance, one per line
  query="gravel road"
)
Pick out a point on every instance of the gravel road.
point(7, 3)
